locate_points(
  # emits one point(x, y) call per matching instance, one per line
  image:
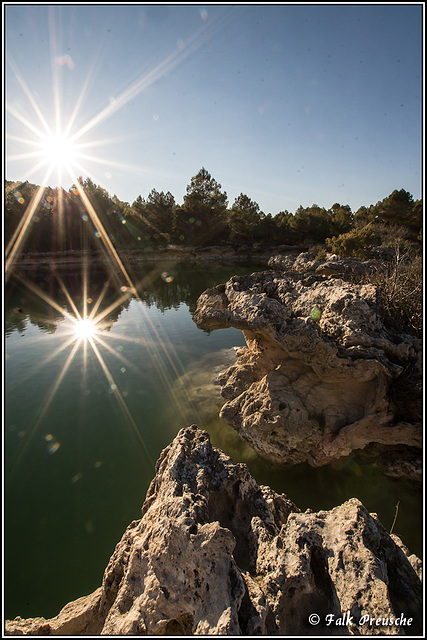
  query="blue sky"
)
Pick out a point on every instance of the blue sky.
point(289, 104)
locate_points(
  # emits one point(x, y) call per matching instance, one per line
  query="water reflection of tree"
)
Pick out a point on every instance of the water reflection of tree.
point(33, 296)
point(184, 283)
point(15, 319)
point(23, 307)
point(30, 294)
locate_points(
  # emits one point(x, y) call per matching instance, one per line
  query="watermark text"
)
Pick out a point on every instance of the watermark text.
point(347, 620)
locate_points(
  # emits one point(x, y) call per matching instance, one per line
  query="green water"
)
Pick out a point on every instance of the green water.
point(85, 422)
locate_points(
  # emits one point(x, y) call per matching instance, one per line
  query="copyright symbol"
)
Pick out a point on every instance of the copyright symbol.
point(314, 619)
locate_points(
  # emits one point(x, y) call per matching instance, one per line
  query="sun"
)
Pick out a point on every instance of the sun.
point(58, 150)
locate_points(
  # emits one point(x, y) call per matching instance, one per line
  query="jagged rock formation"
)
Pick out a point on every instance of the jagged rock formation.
point(321, 376)
point(216, 554)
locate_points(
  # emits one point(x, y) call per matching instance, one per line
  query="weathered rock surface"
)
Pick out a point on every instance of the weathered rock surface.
point(332, 265)
point(216, 554)
point(321, 376)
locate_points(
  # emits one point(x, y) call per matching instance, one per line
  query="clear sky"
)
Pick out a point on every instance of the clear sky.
point(289, 104)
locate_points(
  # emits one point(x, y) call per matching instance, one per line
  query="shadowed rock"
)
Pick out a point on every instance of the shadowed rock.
point(216, 554)
point(321, 376)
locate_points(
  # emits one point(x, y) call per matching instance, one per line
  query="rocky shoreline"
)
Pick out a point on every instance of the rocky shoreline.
point(176, 254)
point(216, 554)
point(321, 376)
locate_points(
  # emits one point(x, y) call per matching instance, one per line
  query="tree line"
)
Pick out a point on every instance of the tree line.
point(63, 220)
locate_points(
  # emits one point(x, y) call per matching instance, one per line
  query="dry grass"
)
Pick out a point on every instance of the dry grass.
point(400, 285)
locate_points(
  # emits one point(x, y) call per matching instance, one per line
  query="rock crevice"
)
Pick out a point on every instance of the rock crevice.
point(216, 554)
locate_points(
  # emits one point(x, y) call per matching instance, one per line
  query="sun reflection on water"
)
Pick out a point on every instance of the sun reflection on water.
point(82, 333)
point(59, 146)
point(85, 328)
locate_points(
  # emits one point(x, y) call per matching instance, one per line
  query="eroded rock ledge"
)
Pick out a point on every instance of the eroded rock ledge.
point(321, 376)
point(216, 554)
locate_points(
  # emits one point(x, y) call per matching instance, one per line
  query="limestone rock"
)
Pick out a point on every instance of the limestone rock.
point(75, 619)
point(331, 265)
point(320, 376)
point(216, 554)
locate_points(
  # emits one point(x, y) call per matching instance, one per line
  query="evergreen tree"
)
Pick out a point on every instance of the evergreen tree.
point(399, 210)
point(202, 218)
point(285, 229)
point(311, 224)
point(160, 215)
point(341, 218)
point(244, 220)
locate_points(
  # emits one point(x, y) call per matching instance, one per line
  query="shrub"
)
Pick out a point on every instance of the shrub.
point(399, 283)
point(354, 243)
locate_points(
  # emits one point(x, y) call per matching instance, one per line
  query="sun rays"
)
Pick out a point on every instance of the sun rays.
point(64, 146)
point(81, 333)
point(86, 337)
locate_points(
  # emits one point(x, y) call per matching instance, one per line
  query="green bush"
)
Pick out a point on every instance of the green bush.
point(355, 243)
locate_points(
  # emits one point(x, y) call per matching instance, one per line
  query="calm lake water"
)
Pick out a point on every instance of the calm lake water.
point(86, 420)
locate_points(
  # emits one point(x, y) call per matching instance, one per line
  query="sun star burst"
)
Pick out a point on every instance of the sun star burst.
point(85, 329)
point(58, 150)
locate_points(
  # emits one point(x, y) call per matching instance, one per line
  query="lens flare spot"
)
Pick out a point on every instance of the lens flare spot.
point(315, 314)
point(66, 61)
point(166, 277)
point(53, 448)
point(52, 443)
